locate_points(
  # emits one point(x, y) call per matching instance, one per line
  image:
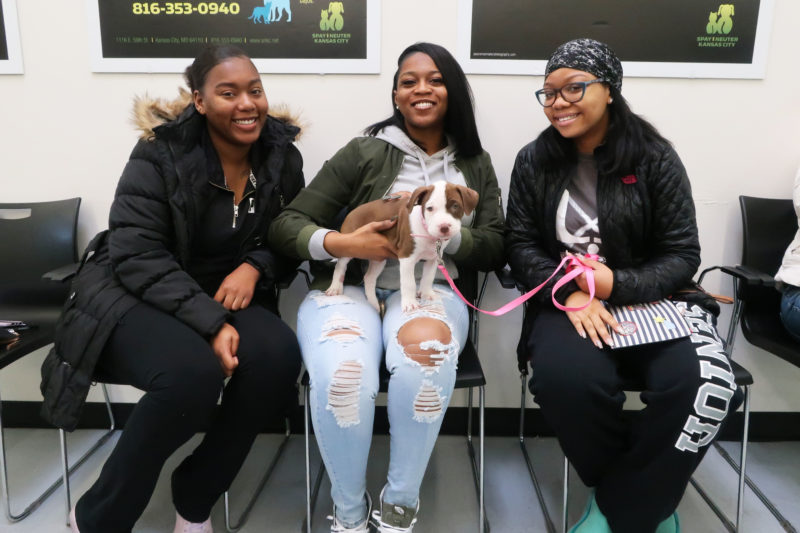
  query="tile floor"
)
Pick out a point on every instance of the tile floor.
point(448, 499)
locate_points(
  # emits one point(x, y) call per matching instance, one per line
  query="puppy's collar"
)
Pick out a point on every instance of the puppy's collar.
point(427, 235)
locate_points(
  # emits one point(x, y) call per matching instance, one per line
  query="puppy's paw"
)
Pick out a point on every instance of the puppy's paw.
point(373, 301)
point(409, 304)
point(431, 296)
point(335, 289)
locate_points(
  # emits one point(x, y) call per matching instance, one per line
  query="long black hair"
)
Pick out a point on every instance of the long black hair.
point(628, 139)
point(459, 121)
point(208, 58)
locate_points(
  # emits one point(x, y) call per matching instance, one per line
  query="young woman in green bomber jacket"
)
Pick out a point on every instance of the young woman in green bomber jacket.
point(431, 136)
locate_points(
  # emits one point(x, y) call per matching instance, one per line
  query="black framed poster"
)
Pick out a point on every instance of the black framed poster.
point(656, 38)
point(285, 36)
point(10, 49)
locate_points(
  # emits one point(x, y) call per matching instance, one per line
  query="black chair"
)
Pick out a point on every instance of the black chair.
point(36, 240)
point(743, 379)
point(768, 226)
point(468, 375)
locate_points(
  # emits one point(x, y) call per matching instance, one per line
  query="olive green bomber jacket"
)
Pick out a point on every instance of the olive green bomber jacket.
point(364, 170)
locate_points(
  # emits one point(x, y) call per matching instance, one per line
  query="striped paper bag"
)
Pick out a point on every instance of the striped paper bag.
point(650, 322)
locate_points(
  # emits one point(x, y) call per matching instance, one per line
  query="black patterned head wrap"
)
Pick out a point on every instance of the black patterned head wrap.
point(589, 56)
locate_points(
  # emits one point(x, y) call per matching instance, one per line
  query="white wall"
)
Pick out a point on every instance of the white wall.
point(66, 132)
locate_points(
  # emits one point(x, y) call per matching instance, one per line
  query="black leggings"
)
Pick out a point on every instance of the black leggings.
point(638, 468)
point(182, 378)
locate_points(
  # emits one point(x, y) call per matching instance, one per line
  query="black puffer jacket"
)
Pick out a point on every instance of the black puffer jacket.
point(144, 254)
point(647, 223)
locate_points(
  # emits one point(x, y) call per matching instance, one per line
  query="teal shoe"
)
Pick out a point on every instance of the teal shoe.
point(592, 520)
point(670, 525)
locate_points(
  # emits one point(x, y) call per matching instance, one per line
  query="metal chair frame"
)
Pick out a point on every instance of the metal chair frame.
point(260, 487)
point(63, 479)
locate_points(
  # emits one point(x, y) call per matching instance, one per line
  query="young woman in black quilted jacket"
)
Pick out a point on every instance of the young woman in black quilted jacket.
point(601, 180)
point(179, 294)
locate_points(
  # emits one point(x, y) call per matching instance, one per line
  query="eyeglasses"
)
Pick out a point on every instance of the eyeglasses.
point(571, 92)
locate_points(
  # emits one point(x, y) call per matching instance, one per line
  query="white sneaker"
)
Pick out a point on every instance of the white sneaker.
point(363, 527)
point(73, 525)
point(390, 518)
point(184, 526)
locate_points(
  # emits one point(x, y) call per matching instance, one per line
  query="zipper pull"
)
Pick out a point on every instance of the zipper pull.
point(283, 202)
point(235, 214)
point(252, 208)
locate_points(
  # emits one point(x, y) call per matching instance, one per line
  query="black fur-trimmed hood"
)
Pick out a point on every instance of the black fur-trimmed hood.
point(150, 114)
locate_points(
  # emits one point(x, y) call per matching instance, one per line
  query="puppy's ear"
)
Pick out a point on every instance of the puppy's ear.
point(419, 196)
point(468, 197)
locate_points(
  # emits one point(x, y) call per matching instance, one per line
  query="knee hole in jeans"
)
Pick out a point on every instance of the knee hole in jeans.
point(427, 343)
point(339, 328)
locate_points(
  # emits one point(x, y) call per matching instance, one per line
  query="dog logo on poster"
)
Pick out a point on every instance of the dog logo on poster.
point(279, 7)
point(720, 21)
point(332, 18)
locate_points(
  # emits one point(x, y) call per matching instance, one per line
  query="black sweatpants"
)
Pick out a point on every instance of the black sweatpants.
point(639, 468)
point(182, 378)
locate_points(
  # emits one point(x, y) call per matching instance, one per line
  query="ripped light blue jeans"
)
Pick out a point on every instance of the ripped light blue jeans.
point(343, 339)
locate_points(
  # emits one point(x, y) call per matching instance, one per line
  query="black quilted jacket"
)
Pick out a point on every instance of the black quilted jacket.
point(647, 223)
point(143, 256)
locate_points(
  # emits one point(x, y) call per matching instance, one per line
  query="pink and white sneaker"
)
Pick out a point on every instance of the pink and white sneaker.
point(184, 526)
point(73, 525)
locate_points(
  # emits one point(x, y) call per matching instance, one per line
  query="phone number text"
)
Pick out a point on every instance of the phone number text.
point(185, 8)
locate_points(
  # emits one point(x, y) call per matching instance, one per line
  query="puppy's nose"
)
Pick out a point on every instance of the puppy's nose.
point(444, 229)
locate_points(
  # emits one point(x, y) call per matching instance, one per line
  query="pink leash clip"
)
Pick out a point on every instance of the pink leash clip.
point(574, 268)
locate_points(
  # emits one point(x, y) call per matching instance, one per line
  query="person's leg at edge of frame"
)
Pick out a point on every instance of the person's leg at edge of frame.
point(790, 310)
point(340, 340)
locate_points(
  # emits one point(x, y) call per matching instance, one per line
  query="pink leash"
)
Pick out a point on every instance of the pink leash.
point(574, 268)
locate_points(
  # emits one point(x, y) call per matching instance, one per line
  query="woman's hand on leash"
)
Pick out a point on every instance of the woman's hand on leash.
point(591, 320)
point(603, 279)
point(226, 345)
point(367, 242)
point(236, 290)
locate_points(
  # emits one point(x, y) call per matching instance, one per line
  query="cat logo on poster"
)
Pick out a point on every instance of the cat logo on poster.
point(332, 18)
point(720, 21)
point(271, 11)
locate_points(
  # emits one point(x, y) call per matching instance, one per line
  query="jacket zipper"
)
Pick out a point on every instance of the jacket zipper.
point(252, 207)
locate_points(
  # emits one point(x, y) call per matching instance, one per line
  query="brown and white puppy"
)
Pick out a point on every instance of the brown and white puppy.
point(426, 221)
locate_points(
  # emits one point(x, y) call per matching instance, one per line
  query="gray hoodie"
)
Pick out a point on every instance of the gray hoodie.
point(418, 169)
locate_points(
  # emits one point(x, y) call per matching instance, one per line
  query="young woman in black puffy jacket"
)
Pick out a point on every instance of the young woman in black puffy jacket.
point(179, 294)
point(602, 181)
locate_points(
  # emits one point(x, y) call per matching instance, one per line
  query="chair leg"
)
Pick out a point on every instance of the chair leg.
point(68, 470)
point(259, 488)
point(743, 479)
point(743, 458)
point(52, 488)
point(551, 528)
point(565, 497)
point(477, 467)
point(311, 495)
point(482, 509)
point(62, 439)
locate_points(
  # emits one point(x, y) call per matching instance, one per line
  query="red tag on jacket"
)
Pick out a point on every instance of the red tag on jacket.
point(629, 179)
